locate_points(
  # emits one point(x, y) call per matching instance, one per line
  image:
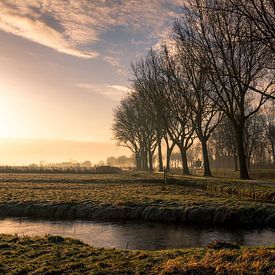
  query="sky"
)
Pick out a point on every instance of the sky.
point(64, 67)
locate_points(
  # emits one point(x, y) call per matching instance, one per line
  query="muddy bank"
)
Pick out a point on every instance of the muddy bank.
point(200, 215)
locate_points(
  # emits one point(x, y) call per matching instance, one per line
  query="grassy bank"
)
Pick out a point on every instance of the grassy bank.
point(51, 255)
point(137, 197)
point(242, 188)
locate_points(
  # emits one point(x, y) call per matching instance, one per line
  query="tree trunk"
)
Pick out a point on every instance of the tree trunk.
point(273, 151)
point(150, 155)
point(206, 164)
point(141, 160)
point(168, 157)
point(138, 161)
point(160, 156)
point(249, 163)
point(185, 169)
point(241, 153)
point(236, 162)
point(169, 151)
point(144, 160)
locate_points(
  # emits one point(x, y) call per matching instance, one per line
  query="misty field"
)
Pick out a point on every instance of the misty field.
point(137, 197)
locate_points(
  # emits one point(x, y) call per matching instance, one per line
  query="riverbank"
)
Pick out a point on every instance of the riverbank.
point(183, 200)
point(52, 254)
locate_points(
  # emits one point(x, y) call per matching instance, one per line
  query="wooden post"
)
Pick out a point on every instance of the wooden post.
point(165, 175)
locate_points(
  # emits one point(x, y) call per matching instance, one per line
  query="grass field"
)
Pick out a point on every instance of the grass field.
point(56, 255)
point(133, 196)
point(135, 188)
point(137, 196)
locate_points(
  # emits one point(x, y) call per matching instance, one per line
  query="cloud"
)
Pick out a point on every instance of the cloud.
point(28, 25)
point(120, 88)
point(73, 27)
point(115, 62)
point(112, 92)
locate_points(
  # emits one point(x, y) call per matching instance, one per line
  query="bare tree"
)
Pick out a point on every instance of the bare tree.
point(223, 140)
point(134, 129)
point(269, 125)
point(152, 82)
point(194, 85)
point(261, 14)
point(125, 131)
point(235, 66)
point(149, 132)
point(183, 132)
point(254, 136)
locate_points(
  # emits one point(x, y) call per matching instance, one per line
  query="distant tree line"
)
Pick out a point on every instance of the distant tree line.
point(120, 161)
point(212, 80)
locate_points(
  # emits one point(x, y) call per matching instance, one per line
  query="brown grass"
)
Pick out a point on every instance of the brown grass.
point(56, 255)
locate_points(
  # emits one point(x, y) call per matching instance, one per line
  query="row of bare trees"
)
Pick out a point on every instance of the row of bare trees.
point(259, 137)
point(218, 66)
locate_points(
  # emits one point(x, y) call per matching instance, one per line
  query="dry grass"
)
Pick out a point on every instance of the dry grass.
point(138, 197)
point(114, 189)
point(56, 255)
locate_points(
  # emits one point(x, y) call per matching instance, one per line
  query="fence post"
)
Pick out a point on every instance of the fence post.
point(165, 175)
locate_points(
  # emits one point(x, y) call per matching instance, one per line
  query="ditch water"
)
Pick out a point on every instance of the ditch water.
point(136, 235)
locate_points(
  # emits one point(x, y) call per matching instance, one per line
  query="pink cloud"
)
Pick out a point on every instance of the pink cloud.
point(80, 23)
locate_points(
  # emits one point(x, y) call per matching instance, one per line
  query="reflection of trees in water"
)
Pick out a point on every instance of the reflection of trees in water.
point(140, 235)
point(222, 235)
point(188, 236)
point(184, 236)
point(159, 236)
point(260, 237)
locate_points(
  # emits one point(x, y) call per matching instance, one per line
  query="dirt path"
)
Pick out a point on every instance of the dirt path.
point(263, 183)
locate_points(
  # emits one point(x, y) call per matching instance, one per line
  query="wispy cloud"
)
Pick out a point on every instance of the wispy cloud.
point(113, 92)
point(115, 62)
point(121, 89)
point(26, 21)
point(72, 27)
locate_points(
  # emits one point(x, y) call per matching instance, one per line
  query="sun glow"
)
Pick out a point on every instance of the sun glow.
point(10, 120)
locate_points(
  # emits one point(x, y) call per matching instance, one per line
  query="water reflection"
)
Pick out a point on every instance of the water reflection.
point(136, 235)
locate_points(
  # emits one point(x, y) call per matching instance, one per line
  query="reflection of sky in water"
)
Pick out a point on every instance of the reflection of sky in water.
point(136, 235)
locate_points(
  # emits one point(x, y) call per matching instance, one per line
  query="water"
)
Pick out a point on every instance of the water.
point(136, 235)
